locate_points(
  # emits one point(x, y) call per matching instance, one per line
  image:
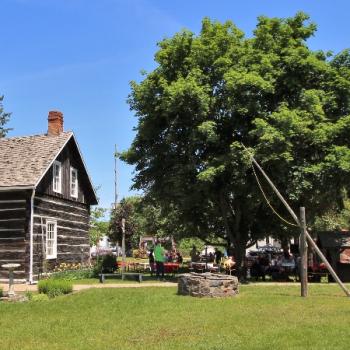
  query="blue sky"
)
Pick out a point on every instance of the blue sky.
point(78, 56)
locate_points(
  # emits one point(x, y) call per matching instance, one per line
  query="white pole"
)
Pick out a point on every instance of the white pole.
point(31, 237)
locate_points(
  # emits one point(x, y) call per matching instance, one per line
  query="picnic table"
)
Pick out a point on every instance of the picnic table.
point(198, 266)
point(169, 267)
point(143, 266)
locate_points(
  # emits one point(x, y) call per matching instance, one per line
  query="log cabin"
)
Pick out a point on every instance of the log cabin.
point(45, 198)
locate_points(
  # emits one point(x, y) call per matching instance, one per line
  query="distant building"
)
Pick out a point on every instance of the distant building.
point(268, 242)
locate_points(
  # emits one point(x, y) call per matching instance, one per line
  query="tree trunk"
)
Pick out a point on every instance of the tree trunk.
point(236, 232)
point(239, 256)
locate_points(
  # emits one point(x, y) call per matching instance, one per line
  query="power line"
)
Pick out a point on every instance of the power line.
point(268, 202)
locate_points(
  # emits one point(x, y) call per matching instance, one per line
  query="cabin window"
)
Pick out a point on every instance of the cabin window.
point(74, 182)
point(51, 240)
point(57, 177)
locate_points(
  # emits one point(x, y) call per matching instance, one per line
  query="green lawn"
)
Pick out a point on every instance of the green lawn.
point(261, 317)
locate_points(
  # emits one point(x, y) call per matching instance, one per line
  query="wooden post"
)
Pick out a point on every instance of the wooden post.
point(303, 253)
point(309, 238)
point(123, 247)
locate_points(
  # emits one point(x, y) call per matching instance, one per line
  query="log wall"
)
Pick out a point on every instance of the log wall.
point(14, 232)
point(72, 232)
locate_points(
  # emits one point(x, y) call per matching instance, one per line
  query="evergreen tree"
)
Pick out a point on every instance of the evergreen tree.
point(4, 118)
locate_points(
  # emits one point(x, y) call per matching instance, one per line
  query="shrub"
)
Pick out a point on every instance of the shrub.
point(105, 264)
point(53, 288)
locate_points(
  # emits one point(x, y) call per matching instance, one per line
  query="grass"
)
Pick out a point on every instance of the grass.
point(261, 317)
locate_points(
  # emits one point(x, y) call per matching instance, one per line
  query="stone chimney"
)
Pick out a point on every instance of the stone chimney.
point(55, 123)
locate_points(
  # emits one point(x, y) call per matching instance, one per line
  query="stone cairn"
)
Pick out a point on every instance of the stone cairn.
point(207, 285)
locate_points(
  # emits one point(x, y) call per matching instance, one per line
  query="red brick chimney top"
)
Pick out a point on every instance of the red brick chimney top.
point(55, 123)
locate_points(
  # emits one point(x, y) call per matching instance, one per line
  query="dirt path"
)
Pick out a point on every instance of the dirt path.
point(19, 287)
point(78, 287)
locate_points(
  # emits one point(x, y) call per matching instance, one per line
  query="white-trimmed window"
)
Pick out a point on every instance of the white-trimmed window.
point(73, 182)
point(57, 176)
point(51, 239)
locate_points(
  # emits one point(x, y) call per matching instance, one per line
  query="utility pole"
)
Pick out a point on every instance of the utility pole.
point(115, 190)
point(303, 253)
point(115, 178)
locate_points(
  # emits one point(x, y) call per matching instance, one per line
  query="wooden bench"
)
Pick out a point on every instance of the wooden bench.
point(138, 275)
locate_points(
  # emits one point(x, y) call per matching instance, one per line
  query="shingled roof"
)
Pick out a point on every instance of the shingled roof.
point(24, 160)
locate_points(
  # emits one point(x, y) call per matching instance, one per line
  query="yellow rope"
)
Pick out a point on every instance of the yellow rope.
point(268, 202)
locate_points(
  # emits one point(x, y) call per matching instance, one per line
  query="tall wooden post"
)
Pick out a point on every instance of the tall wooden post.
point(123, 247)
point(206, 258)
point(303, 253)
point(115, 178)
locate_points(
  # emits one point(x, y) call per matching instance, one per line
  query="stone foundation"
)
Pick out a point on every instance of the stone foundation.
point(207, 285)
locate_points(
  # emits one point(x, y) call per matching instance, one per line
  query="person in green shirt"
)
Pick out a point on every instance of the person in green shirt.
point(159, 257)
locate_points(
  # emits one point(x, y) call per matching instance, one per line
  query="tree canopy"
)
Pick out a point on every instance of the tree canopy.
point(4, 118)
point(212, 92)
point(142, 218)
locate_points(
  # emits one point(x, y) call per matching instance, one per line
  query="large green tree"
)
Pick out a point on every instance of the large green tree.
point(142, 218)
point(4, 118)
point(124, 210)
point(212, 92)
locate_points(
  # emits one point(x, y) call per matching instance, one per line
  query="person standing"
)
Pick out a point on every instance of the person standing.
point(151, 261)
point(193, 254)
point(218, 256)
point(159, 257)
